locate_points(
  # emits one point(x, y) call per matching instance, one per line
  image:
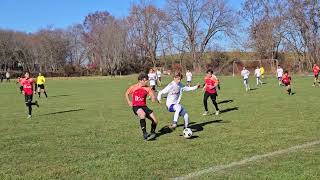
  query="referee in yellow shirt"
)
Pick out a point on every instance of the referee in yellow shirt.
point(40, 84)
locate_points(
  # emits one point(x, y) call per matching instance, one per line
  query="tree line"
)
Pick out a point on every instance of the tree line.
point(104, 44)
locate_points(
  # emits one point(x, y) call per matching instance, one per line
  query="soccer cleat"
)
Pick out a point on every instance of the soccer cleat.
point(37, 104)
point(205, 113)
point(145, 135)
point(217, 113)
point(313, 85)
point(151, 136)
point(173, 126)
point(29, 116)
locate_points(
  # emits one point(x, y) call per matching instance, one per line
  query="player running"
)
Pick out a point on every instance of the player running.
point(27, 83)
point(245, 74)
point(257, 74)
point(189, 77)
point(279, 74)
point(262, 72)
point(286, 80)
point(316, 70)
point(139, 93)
point(174, 91)
point(40, 85)
point(210, 84)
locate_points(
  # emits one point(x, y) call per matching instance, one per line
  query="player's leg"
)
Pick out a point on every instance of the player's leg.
point(184, 114)
point(260, 81)
point(257, 81)
point(289, 89)
point(214, 101)
point(39, 90)
point(205, 103)
point(154, 123)
point(142, 115)
point(44, 90)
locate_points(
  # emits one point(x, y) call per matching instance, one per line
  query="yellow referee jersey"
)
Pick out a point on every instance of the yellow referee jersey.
point(41, 80)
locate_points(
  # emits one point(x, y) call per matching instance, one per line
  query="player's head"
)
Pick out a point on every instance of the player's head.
point(257, 67)
point(209, 72)
point(188, 70)
point(314, 65)
point(150, 70)
point(279, 66)
point(39, 73)
point(27, 75)
point(143, 78)
point(244, 68)
point(177, 77)
point(285, 72)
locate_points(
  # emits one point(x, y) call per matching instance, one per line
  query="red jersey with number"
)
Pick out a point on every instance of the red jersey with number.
point(316, 70)
point(139, 94)
point(286, 79)
point(210, 82)
point(27, 86)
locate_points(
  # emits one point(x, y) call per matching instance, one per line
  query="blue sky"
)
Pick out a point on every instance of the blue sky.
point(32, 15)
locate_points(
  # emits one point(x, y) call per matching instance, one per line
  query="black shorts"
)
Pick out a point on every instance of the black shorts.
point(41, 86)
point(28, 98)
point(144, 108)
point(21, 88)
point(316, 75)
point(287, 84)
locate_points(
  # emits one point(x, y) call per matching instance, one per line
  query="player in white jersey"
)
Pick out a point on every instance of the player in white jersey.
point(189, 77)
point(279, 74)
point(245, 74)
point(158, 77)
point(152, 79)
point(174, 91)
point(257, 74)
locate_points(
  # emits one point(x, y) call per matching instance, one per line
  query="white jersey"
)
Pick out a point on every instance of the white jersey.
point(189, 76)
point(159, 73)
point(257, 73)
point(152, 78)
point(174, 92)
point(245, 73)
point(279, 72)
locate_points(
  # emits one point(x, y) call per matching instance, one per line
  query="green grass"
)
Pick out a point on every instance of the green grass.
point(85, 130)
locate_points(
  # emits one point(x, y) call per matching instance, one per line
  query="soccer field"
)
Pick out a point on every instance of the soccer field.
point(85, 130)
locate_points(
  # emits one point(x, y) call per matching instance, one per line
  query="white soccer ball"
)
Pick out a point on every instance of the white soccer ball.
point(187, 133)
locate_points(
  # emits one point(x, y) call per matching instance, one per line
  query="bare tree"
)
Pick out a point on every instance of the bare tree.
point(201, 21)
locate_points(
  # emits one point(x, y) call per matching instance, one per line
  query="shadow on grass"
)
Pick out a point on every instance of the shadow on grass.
point(61, 112)
point(199, 126)
point(225, 101)
point(166, 130)
point(62, 95)
point(229, 109)
point(253, 89)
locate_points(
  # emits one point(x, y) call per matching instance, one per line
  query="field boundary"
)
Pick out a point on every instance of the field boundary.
point(247, 160)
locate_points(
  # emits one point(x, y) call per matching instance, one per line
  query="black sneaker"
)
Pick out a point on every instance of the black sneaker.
point(145, 135)
point(152, 136)
point(37, 104)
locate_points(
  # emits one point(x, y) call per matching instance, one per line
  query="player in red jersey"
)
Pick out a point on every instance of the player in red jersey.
point(316, 70)
point(139, 93)
point(27, 84)
point(286, 80)
point(211, 82)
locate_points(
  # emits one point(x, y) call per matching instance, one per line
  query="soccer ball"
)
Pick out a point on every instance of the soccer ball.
point(187, 133)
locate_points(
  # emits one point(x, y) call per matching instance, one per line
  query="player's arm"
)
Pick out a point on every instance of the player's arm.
point(127, 94)
point(186, 88)
point(152, 95)
point(163, 91)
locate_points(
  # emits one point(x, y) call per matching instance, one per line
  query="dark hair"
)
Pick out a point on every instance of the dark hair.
point(209, 70)
point(286, 72)
point(142, 76)
point(178, 74)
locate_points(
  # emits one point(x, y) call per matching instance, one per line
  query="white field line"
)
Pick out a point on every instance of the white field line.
point(247, 160)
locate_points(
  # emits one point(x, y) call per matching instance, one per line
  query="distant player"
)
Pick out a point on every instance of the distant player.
point(27, 83)
point(159, 77)
point(279, 74)
point(8, 76)
point(245, 74)
point(209, 88)
point(174, 91)
point(316, 70)
point(1, 76)
point(257, 74)
point(139, 93)
point(286, 80)
point(262, 72)
point(40, 85)
point(189, 77)
point(152, 79)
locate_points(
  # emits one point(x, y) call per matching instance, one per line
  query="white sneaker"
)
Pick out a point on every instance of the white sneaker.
point(205, 113)
point(29, 116)
point(217, 113)
point(313, 85)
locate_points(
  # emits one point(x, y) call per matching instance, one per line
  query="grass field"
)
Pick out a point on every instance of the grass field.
point(85, 130)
